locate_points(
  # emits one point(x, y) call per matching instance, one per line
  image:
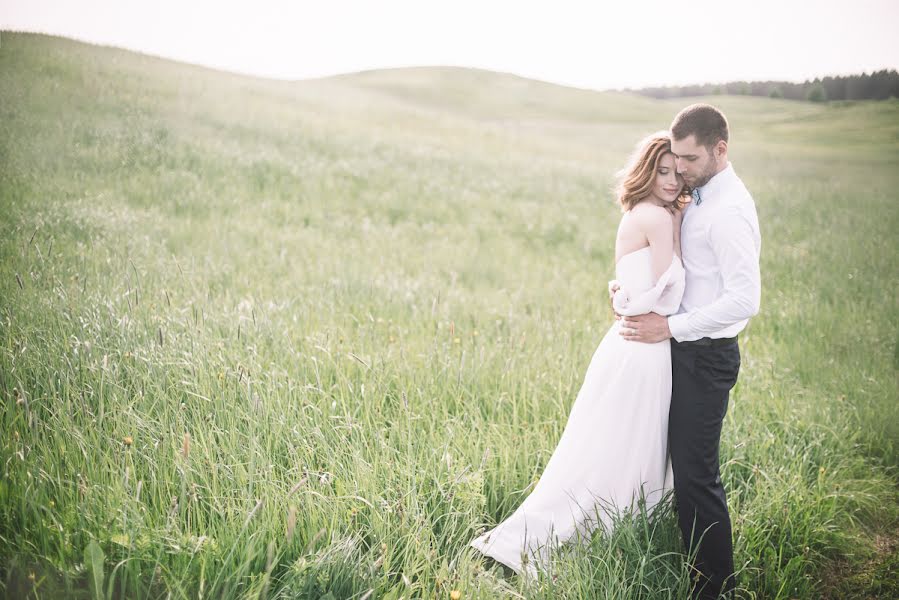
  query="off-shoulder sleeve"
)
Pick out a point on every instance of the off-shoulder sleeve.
point(627, 303)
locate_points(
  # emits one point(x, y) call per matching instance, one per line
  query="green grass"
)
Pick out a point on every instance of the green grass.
point(342, 323)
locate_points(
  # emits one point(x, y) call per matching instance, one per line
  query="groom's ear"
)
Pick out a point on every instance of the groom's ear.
point(720, 149)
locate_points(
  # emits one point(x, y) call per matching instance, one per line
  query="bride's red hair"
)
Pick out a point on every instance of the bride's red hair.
point(636, 180)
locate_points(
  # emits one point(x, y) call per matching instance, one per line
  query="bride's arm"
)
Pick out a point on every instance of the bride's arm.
point(657, 224)
point(678, 219)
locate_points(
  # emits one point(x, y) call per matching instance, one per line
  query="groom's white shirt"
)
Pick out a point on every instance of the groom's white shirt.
point(720, 246)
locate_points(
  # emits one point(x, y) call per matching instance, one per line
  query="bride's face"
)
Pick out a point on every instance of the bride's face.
point(668, 184)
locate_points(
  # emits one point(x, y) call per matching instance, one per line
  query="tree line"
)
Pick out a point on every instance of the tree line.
point(879, 85)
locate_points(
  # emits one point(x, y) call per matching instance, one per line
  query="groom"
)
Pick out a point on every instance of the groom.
point(720, 245)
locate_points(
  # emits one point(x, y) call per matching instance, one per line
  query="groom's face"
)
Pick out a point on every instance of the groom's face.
point(695, 163)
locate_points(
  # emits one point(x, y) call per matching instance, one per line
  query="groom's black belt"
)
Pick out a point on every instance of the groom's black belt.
point(708, 342)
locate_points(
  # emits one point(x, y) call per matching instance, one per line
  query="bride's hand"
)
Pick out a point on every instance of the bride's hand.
point(613, 287)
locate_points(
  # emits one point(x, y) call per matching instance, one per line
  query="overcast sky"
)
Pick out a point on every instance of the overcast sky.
point(596, 44)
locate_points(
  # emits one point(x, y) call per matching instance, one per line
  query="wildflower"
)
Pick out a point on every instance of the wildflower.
point(127, 440)
point(455, 595)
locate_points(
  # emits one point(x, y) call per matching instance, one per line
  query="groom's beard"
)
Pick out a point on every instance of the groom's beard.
point(707, 173)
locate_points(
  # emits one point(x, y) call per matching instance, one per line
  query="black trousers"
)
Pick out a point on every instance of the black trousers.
point(702, 377)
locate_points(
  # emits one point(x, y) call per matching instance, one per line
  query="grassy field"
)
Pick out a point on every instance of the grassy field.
point(263, 339)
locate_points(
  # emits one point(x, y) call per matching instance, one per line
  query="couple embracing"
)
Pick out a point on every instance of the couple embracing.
point(648, 416)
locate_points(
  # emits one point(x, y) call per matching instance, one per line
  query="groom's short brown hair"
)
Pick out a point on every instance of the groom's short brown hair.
point(704, 121)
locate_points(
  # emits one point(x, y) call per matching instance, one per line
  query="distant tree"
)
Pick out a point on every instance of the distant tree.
point(883, 85)
point(835, 87)
point(794, 91)
point(816, 93)
point(879, 85)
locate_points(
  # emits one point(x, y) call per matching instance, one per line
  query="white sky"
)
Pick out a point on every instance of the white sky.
point(585, 44)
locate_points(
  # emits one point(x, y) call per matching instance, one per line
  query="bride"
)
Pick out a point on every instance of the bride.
point(614, 448)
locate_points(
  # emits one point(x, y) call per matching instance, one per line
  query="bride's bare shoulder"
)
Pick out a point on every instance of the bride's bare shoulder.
point(650, 216)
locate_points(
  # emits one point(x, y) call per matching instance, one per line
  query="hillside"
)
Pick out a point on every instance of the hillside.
point(285, 339)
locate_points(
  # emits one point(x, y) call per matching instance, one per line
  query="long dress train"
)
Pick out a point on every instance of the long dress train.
point(615, 443)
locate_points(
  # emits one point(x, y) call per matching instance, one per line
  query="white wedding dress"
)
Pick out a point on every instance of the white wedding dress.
point(616, 439)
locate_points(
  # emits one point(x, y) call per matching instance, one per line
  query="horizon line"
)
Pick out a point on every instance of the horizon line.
point(233, 71)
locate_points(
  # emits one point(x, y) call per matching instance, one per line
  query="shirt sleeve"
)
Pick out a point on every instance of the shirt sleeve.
point(733, 241)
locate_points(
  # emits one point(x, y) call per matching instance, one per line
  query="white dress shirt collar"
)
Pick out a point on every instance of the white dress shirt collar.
point(721, 178)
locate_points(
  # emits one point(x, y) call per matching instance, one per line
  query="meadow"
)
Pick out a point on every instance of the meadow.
point(266, 339)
